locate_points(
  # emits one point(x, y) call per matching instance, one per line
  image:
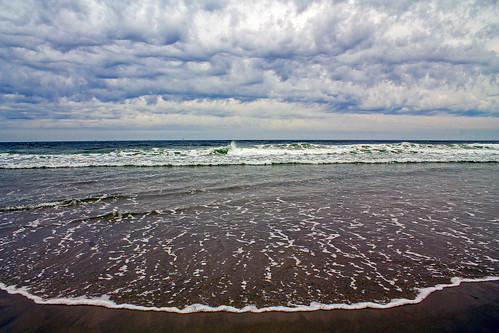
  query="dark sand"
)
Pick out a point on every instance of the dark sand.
point(471, 307)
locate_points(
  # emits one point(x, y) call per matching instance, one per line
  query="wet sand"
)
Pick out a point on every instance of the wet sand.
point(471, 307)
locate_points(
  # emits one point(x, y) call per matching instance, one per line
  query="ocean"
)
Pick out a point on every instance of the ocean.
point(187, 226)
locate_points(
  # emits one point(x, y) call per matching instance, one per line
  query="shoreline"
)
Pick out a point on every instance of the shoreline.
point(469, 307)
point(104, 301)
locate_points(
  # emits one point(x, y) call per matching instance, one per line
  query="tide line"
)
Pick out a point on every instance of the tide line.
point(105, 301)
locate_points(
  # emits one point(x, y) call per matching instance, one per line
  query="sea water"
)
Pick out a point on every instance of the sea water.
point(246, 226)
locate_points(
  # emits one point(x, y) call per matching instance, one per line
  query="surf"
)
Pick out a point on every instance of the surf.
point(105, 301)
point(272, 153)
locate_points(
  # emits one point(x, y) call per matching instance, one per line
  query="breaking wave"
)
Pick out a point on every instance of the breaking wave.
point(258, 154)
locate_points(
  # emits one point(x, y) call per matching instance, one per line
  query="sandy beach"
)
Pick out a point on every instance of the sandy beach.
point(286, 237)
point(470, 307)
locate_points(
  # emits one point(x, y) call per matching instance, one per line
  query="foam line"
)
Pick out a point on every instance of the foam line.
point(106, 302)
point(266, 154)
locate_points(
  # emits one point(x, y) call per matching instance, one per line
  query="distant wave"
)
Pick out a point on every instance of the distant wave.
point(260, 154)
point(105, 301)
point(61, 203)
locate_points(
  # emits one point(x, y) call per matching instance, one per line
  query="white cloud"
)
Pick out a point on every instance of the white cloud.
point(301, 60)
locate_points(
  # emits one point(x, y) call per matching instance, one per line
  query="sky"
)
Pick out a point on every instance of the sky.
point(214, 69)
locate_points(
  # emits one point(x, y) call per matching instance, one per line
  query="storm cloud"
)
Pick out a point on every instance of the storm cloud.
point(100, 64)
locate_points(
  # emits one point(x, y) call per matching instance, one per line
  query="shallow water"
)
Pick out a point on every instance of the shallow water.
point(284, 235)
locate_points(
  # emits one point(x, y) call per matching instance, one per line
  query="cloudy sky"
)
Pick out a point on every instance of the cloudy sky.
point(357, 69)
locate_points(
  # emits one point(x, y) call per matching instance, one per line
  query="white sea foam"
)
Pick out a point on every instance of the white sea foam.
point(262, 154)
point(105, 301)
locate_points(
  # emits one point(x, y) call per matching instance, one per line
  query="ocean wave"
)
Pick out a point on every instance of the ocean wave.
point(63, 203)
point(246, 163)
point(105, 301)
point(260, 154)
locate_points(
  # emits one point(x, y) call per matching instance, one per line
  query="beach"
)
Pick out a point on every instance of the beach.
point(252, 235)
point(470, 307)
point(249, 166)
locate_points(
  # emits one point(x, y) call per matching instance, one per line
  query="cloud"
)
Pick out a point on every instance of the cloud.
point(353, 57)
point(230, 118)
